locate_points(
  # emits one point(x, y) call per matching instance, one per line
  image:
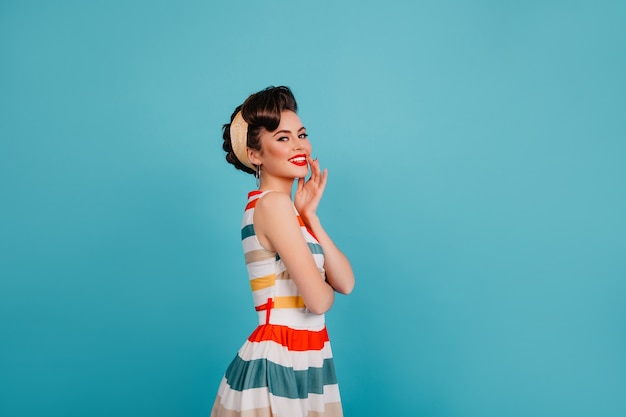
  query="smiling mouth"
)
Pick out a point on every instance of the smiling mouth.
point(299, 160)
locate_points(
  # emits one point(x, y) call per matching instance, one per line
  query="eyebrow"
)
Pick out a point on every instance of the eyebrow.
point(288, 131)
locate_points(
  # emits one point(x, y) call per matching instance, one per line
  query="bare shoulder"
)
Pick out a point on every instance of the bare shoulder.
point(275, 221)
point(274, 203)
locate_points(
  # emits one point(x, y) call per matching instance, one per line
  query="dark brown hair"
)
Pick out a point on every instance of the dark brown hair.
point(261, 111)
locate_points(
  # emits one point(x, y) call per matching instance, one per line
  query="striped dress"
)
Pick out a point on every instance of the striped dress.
point(285, 368)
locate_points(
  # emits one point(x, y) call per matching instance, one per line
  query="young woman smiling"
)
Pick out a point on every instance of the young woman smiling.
point(285, 368)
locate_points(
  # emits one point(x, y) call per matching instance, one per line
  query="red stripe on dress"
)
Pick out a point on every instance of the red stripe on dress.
point(301, 222)
point(255, 192)
point(251, 204)
point(292, 339)
point(311, 233)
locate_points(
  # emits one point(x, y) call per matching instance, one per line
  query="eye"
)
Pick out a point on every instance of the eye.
point(303, 135)
point(282, 139)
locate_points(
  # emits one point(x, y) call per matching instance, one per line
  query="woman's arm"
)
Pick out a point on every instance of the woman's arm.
point(278, 229)
point(308, 195)
point(338, 269)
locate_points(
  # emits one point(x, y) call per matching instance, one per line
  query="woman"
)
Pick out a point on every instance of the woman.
point(285, 368)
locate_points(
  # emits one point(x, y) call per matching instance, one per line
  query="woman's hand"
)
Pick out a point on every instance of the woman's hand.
point(309, 193)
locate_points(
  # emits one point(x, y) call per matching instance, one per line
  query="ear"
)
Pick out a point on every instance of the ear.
point(254, 156)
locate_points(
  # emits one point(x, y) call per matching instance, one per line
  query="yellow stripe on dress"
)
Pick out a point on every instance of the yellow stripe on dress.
point(291, 301)
point(262, 282)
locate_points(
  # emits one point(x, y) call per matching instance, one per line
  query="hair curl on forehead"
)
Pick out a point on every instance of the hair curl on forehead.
point(261, 110)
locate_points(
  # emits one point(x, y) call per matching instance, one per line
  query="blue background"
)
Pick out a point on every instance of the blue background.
point(476, 154)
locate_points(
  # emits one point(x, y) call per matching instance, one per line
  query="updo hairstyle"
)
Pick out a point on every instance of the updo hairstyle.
point(261, 111)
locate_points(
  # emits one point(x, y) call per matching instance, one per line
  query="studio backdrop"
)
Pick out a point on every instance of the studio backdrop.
point(477, 182)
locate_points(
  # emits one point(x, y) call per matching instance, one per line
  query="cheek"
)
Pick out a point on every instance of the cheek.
point(279, 152)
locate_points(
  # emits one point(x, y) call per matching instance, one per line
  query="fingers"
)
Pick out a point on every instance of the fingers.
point(316, 173)
point(312, 165)
point(324, 178)
point(309, 191)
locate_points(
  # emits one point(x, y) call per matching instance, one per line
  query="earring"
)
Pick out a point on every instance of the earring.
point(257, 175)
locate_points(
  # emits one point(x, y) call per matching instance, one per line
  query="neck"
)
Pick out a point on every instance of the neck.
point(282, 185)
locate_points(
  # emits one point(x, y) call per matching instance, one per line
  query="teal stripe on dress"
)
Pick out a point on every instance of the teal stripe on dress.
point(247, 231)
point(282, 381)
point(316, 249)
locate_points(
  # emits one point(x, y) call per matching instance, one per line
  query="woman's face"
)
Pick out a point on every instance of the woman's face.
point(285, 151)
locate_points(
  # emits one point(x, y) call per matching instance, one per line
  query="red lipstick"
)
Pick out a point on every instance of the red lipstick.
point(299, 160)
